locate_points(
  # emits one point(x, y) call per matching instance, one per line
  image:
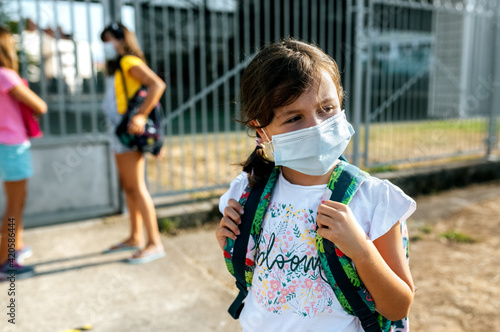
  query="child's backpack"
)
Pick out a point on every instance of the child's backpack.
point(338, 268)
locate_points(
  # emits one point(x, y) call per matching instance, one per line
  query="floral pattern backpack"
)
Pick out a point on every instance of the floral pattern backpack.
point(338, 268)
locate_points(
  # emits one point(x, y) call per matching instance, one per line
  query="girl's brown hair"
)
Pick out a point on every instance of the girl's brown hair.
point(131, 45)
point(8, 55)
point(276, 77)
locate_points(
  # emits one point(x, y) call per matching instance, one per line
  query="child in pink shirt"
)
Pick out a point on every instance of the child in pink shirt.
point(12, 130)
point(15, 158)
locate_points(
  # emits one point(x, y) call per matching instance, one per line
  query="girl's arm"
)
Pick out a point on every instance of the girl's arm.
point(155, 89)
point(26, 96)
point(381, 264)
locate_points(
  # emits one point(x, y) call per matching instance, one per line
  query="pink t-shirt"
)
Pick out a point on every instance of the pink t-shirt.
point(12, 129)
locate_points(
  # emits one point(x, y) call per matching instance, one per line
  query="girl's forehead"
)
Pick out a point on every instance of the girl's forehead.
point(108, 36)
point(321, 89)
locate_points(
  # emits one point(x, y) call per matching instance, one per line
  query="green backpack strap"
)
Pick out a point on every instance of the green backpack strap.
point(255, 201)
point(338, 268)
point(344, 183)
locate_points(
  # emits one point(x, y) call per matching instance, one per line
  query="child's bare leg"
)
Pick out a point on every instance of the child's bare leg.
point(15, 192)
point(123, 162)
point(133, 164)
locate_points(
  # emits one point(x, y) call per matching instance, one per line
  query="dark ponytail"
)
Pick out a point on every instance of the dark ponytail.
point(257, 166)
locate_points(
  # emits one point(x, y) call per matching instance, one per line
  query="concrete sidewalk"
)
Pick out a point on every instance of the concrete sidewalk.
point(188, 290)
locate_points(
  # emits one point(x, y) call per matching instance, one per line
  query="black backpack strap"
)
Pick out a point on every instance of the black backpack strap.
point(366, 316)
point(241, 245)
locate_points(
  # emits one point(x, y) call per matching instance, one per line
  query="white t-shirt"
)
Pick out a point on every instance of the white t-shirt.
point(289, 290)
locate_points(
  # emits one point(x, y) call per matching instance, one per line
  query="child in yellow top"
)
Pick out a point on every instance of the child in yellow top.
point(123, 55)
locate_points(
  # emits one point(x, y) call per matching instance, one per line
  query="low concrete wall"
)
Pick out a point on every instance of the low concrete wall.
point(432, 179)
point(75, 179)
point(415, 182)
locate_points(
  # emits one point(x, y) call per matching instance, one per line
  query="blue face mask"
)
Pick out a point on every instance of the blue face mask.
point(313, 150)
point(110, 52)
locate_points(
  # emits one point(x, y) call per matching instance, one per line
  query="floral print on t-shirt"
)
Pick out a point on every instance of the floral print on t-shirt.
point(288, 276)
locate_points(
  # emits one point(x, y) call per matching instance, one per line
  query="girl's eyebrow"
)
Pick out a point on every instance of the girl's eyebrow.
point(327, 100)
point(283, 114)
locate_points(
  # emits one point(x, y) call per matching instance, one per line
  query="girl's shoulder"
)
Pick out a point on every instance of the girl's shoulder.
point(128, 61)
point(380, 204)
point(235, 190)
point(8, 79)
point(376, 186)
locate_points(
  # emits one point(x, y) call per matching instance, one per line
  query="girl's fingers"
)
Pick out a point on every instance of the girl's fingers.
point(324, 221)
point(229, 224)
point(226, 229)
point(235, 205)
point(224, 232)
point(231, 213)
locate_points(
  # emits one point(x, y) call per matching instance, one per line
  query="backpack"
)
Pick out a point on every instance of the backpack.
point(337, 267)
point(151, 140)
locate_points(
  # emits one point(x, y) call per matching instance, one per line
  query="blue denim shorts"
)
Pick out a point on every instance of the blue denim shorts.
point(15, 162)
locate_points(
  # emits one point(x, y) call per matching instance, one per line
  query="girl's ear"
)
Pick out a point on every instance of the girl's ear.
point(261, 132)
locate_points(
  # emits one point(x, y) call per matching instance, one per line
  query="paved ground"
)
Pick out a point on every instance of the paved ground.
point(188, 290)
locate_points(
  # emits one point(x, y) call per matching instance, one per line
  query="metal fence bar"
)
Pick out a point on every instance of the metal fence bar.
point(180, 89)
point(152, 39)
point(203, 83)
point(22, 53)
point(286, 21)
point(256, 22)
point(60, 78)
point(267, 23)
point(368, 84)
point(138, 19)
point(192, 88)
point(154, 65)
point(277, 12)
point(330, 28)
point(77, 97)
point(348, 51)
point(168, 91)
point(494, 115)
point(215, 106)
point(339, 10)
point(227, 114)
point(358, 68)
point(323, 23)
point(314, 21)
point(296, 18)
point(93, 90)
point(305, 20)
point(43, 81)
point(236, 60)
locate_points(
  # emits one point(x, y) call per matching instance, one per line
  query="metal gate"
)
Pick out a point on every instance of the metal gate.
point(201, 48)
point(419, 75)
point(428, 80)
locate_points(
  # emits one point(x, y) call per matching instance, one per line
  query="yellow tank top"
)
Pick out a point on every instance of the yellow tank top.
point(126, 62)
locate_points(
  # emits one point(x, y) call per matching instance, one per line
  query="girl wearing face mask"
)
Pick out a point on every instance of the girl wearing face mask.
point(291, 95)
point(124, 57)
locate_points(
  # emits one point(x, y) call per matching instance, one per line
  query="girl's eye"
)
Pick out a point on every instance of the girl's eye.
point(295, 118)
point(328, 109)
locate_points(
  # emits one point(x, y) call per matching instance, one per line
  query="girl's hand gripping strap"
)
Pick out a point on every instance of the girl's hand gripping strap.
point(339, 271)
point(254, 201)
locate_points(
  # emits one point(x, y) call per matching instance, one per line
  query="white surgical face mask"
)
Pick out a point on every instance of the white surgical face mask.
point(313, 150)
point(110, 53)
